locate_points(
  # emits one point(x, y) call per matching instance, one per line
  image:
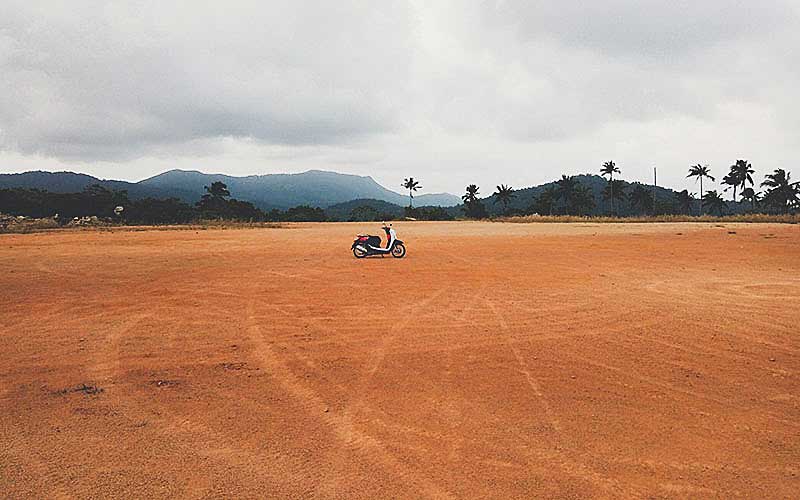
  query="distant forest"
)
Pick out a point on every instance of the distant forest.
point(589, 195)
point(216, 204)
point(608, 195)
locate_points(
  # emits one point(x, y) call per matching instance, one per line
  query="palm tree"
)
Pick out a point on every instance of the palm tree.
point(609, 168)
point(752, 196)
point(412, 186)
point(641, 198)
point(739, 176)
point(700, 171)
point(504, 194)
point(565, 188)
point(471, 194)
point(614, 191)
point(577, 199)
point(473, 207)
point(731, 181)
point(685, 201)
point(714, 202)
point(783, 193)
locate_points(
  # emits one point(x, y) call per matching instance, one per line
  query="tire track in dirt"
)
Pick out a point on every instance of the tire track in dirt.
point(724, 403)
point(185, 438)
point(700, 467)
point(379, 353)
point(293, 276)
point(523, 367)
point(43, 315)
point(107, 361)
point(326, 335)
point(297, 353)
point(356, 405)
point(185, 432)
point(689, 350)
point(542, 458)
point(340, 425)
point(560, 456)
point(484, 343)
point(621, 343)
point(727, 330)
point(200, 439)
point(55, 478)
point(676, 293)
point(482, 296)
point(43, 268)
point(732, 327)
point(472, 316)
point(165, 426)
point(180, 431)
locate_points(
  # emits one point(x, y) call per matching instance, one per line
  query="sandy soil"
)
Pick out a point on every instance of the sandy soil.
point(495, 360)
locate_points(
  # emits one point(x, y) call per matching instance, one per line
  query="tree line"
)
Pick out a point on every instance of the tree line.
point(215, 204)
point(116, 206)
point(568, 196)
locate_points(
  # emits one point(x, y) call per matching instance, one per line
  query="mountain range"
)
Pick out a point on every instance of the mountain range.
point(315, 187)
point(339, 194)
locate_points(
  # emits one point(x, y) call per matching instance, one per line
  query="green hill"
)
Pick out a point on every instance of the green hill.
point(364, 209)
point(314, 188)
point(524, 198)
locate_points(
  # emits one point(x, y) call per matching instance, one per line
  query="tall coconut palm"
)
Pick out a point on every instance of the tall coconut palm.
point(714, 202)
point(700, 171)
point(504, 194)
point(473, 208)
point(782, 194)
point(740, 175)
point(471, 194)
point(609, 169)
point(412, 186)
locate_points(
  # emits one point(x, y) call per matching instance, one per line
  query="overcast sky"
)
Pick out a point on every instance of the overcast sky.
point(451, 92)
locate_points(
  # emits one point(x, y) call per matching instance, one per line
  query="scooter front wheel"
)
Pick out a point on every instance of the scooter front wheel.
point(359, 253)
point(399, 251)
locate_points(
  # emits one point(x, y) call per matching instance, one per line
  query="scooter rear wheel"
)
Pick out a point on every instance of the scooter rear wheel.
point(360, 254)
point(399, 251)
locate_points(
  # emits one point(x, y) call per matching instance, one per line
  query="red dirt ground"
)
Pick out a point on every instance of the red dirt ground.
point(495, 360)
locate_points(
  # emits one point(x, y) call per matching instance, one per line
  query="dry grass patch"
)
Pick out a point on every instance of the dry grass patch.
point(764, 218)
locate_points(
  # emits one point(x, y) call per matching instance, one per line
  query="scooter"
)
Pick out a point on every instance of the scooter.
point(365, 245)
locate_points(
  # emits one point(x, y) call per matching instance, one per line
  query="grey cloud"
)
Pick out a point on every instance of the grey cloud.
point(90, 82)
point(443, 87)
point(543, 71)
point(642, 28)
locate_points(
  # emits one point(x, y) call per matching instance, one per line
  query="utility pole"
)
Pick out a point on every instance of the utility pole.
point(655, 183)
